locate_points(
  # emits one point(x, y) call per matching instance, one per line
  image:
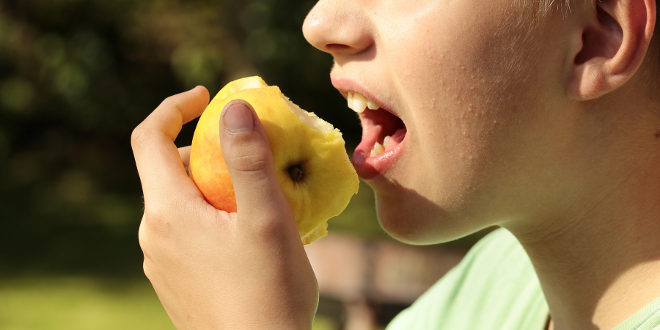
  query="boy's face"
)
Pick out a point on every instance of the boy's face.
point(465, 80)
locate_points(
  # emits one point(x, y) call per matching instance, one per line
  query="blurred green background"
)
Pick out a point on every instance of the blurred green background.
point(76, 77)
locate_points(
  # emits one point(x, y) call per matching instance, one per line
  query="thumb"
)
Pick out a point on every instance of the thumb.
point(249, 160)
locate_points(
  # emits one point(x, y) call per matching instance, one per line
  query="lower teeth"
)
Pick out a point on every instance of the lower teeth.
point(377, 149)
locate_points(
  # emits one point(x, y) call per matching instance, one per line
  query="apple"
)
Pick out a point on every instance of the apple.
point(313, 169)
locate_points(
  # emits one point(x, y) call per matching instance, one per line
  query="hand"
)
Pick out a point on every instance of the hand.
point(213, 269)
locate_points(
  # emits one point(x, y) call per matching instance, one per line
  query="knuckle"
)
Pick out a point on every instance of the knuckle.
point(247, 156)
point(173, 101)
point(157, 218)
point(138, 136)
point(247, 153)
point(142, 237)
point(249, 163)
point(162, 218)
point(153, 212)
point(147, 269)
point(169, 101)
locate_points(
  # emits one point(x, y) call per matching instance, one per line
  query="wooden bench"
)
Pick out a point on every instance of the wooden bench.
point(373, 279)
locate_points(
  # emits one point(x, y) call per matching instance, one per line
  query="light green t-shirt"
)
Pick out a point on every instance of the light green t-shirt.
point(494, 287)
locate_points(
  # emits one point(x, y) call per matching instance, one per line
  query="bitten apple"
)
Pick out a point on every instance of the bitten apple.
point(312, 166)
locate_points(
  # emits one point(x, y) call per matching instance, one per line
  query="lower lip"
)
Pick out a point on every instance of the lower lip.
point(369, 167)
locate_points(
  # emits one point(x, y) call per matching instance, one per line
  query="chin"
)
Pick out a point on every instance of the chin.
point(413, 219)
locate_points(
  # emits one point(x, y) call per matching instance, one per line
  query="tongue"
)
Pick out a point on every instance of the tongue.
point(381, 121)
point(376, 125)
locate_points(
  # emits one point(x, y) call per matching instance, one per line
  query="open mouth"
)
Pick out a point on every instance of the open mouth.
point(383, 134)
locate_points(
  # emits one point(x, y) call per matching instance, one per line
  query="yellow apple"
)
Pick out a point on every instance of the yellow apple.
point(312, 166)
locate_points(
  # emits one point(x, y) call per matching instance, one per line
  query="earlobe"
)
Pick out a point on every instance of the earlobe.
point(614, 40)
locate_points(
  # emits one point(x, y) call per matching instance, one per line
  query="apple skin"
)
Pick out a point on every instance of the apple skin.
point(310, 159)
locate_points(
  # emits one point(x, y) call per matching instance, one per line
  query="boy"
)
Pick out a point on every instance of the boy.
point(541, 118)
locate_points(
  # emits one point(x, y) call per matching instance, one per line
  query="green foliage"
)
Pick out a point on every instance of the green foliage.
point(76, 76)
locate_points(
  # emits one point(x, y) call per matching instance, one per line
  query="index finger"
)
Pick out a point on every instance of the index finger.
point(157, 158)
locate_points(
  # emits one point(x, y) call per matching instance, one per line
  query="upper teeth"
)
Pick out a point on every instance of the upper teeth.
point(358, 102)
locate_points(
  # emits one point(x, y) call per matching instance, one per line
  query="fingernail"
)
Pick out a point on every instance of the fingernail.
point(237, 118)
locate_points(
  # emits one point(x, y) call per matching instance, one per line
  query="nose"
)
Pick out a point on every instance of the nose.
point(338, 27)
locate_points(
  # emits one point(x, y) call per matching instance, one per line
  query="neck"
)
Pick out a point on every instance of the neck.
point(598, 262)
point(597, 275)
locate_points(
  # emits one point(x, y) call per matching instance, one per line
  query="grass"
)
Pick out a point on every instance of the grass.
point(83, 303)
point(79, 303)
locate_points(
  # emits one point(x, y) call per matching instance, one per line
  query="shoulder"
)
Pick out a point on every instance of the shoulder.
point(494, 286)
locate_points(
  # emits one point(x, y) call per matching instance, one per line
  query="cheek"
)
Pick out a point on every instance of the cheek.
point(465, 80)
point(467, 86)
point(459, 55)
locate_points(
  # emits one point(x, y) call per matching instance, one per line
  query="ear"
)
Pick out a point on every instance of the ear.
point(615, 36)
